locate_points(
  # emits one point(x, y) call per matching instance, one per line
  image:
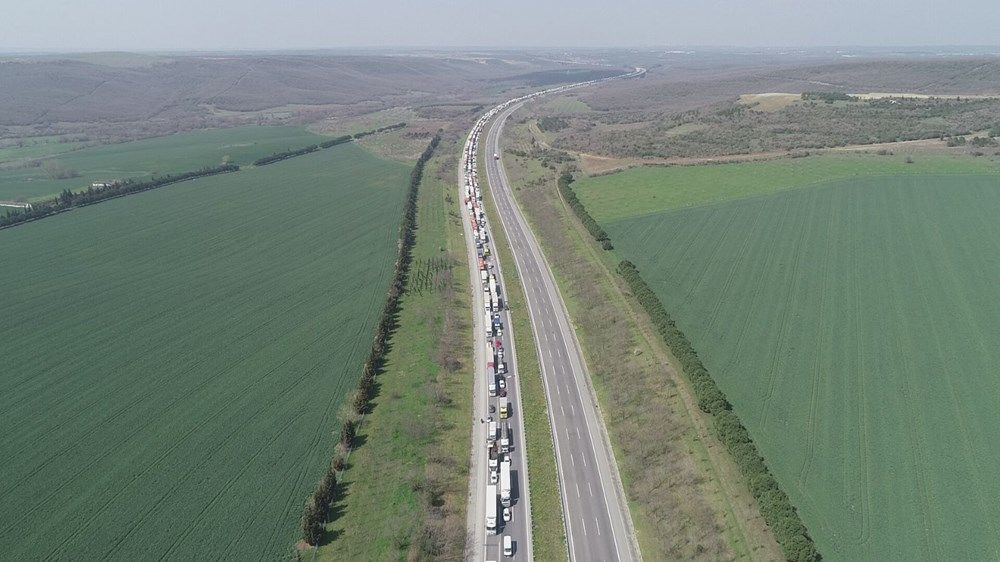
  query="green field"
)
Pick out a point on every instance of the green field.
point(148, 157)
point(653, 189)
point(174, 360)
point(853, 326)
point(36, 147)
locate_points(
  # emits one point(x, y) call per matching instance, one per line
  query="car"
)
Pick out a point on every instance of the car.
point(493, 409)
point(503, 393)
point(506, 514)
point(503, 383)
point(508, 546)
point(494, 477)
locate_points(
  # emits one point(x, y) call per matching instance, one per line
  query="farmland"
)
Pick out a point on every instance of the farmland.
point(175, 360)
point(653, 189)
point(149, 157)
point(852, 325)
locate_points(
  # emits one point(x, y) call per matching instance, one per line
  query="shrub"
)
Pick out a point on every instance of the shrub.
point(774, 504)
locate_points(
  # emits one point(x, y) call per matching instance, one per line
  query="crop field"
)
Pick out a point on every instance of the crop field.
point(852, 324)
point(653, 189)
point(174, 361)
point(149, 157)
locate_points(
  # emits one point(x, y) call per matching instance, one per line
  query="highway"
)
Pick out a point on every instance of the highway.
point(598, 524)
point(486, 545)
point(597, 521)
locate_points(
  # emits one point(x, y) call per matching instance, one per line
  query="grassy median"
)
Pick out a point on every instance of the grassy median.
point(548, 531)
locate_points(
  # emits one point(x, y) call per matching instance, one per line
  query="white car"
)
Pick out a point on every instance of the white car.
point(503, 382)
point(506, 514)
point(494, 477)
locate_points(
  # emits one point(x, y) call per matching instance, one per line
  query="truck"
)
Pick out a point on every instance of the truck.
point(494, 457)
point(504, 484)
point(491, 433)
point(491, 509)
point(504, 408)
point(505, 439)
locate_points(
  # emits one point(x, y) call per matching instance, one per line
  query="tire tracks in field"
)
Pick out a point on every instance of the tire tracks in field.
point(864, 438)
point(749, 234)
point(825, 339)
point(938, 249)
point(784, 311)
point(916, 432)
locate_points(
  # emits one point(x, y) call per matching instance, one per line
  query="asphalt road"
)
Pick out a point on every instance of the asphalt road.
point(486, 546)
point(598, 524)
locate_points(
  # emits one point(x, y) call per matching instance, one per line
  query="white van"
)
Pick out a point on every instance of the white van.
point(508, 546)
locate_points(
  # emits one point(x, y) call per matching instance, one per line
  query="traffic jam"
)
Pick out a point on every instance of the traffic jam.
point(499, 433)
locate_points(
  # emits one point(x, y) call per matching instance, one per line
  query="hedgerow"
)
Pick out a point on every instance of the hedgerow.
point(774, 504)
point(317, 507)
point(595, 230)
point(279, 156)
point(70, 199)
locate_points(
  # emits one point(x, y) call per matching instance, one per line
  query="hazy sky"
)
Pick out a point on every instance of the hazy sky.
point(289, 24)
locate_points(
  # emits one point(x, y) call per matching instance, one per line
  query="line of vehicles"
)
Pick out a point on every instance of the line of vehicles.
point(499, 495)
point(499, 435)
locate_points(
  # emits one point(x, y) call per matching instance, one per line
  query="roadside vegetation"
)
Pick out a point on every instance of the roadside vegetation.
point(687, 498)
point(403, 488)
point(836, 318)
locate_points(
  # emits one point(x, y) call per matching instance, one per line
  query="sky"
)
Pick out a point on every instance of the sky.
point(170, 25)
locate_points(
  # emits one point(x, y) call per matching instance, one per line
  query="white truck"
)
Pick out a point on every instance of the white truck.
point(505, 439)
point(491, 433)
point(491, 509)
point(504, 484)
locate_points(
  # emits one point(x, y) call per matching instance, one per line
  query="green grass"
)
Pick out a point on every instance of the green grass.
point(853, 326)
point(36, 147)
point(174, 360)
point(651, 189)
point(149, 157)
point(413, 441)
point(566, 105)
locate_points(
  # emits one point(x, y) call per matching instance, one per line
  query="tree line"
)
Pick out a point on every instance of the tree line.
point(279, 156)
point(775, 506)
point(317, 507)
point(69, 199)
point(565, 188)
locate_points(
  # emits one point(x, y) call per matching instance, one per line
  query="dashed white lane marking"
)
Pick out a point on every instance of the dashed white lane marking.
point(572, 459)
point(584, 457)
point(598, 524)
point(584, 525)
point(563, 410)
point(591, 488)
point(577, 489)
